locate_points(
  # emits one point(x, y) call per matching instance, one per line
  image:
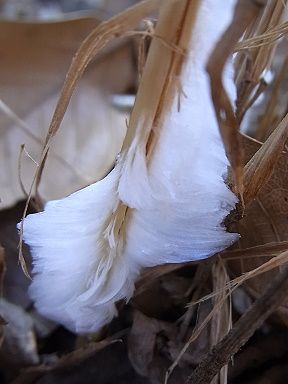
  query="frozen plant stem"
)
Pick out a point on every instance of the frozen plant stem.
point(166, 198)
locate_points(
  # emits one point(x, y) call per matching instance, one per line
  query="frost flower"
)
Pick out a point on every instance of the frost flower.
point(164, 201)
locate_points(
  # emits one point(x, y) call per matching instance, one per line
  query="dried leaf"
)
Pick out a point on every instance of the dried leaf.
point(264, 227)
point(26, 117)
point(86, 149)
point(49, 47)
point(142, 342)
point(148, 348)
point(261, 166)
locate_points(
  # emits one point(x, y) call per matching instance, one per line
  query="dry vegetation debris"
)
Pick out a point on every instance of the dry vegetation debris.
point(188, 322)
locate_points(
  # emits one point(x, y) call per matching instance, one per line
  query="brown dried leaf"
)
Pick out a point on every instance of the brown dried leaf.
point(264, 227)
point(149, 346)
point(261, 166)
point(142, 342)
point(90, 137)
point(49, 47)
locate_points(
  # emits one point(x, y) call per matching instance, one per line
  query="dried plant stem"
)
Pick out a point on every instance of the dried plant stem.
point(262, 308)
point(245, 12)
point(221, 322)
point(98, 39)
point(263, 250)
point(251, 66)
point(174, 28)
point(269, 37)
point(199, 280)
point(270, 117)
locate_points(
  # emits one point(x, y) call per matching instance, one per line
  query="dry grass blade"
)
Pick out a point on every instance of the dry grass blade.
point(197, 331)
point(94, 43)
point(273, 263)
point(245, 12)
point(262, 308)
point(260, 168)
point(270, 118)
point(263, 250)
point(200, 278)
point(250, 65)
point(269, 37)
point(221, 322)
point(106, 32)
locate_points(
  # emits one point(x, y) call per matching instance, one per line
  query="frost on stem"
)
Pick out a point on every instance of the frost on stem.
point(89, 248)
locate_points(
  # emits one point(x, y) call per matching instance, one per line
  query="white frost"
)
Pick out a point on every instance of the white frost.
point(177, 204)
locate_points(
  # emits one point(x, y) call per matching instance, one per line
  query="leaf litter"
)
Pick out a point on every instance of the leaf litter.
point(260, 255)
